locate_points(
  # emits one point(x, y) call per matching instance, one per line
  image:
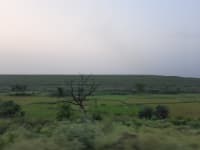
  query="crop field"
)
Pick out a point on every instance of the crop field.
point(181, 105)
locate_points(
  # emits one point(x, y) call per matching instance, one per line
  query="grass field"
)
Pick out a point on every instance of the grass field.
point(119, 128)
point(181, 105)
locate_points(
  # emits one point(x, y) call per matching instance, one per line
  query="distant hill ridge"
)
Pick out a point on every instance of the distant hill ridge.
point(46, 83)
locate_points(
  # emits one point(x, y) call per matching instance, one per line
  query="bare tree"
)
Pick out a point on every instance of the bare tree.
point(80, 89)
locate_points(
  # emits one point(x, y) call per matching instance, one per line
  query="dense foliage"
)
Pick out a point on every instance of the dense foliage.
point(112, 84)
point(64, 112)
point(10, 109)
point(146, 112)
point(104, 135)
point(161, 112)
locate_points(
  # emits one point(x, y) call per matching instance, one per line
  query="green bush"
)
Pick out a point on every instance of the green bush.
point(194, 124)
point(145, 112)
point(137, 123)
point(65, 112)
point(97, 116)
point(76, 136)
point(161, 112)
point(10, 109)
point(4, 125)
point(179, 121)
point(60, 92)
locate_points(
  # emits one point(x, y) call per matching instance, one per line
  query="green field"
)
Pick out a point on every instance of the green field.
point(181, 105)
point(119, 126)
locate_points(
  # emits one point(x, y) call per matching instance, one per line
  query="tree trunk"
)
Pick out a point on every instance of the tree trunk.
point(83, 108)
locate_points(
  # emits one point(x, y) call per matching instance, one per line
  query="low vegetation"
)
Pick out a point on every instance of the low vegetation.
point(161, 112)
point(9, 109)
point(146, 112)
point(132, 134)
point(75, 116)
point(64, 112)
point(110, 84)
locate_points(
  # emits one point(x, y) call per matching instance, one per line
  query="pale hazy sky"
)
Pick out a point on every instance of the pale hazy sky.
point(100, 37)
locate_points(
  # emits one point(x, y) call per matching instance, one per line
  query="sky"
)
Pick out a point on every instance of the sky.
point(100, 37)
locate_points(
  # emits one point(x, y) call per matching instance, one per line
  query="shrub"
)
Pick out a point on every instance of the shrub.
point(195, 124)
point(96, 116)
point(146, 113)
point(162, 112)
point(65, 112)
point(76, 136)
point(10, 109)
point(178, 121)
point(60, 92)
point(4, 125)
point(137, 123)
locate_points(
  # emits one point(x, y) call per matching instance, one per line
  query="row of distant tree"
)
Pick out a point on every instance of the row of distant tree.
point(21, 89)
point(139, 88)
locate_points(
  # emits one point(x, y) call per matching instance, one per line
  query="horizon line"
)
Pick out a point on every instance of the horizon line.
point(108, 74)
